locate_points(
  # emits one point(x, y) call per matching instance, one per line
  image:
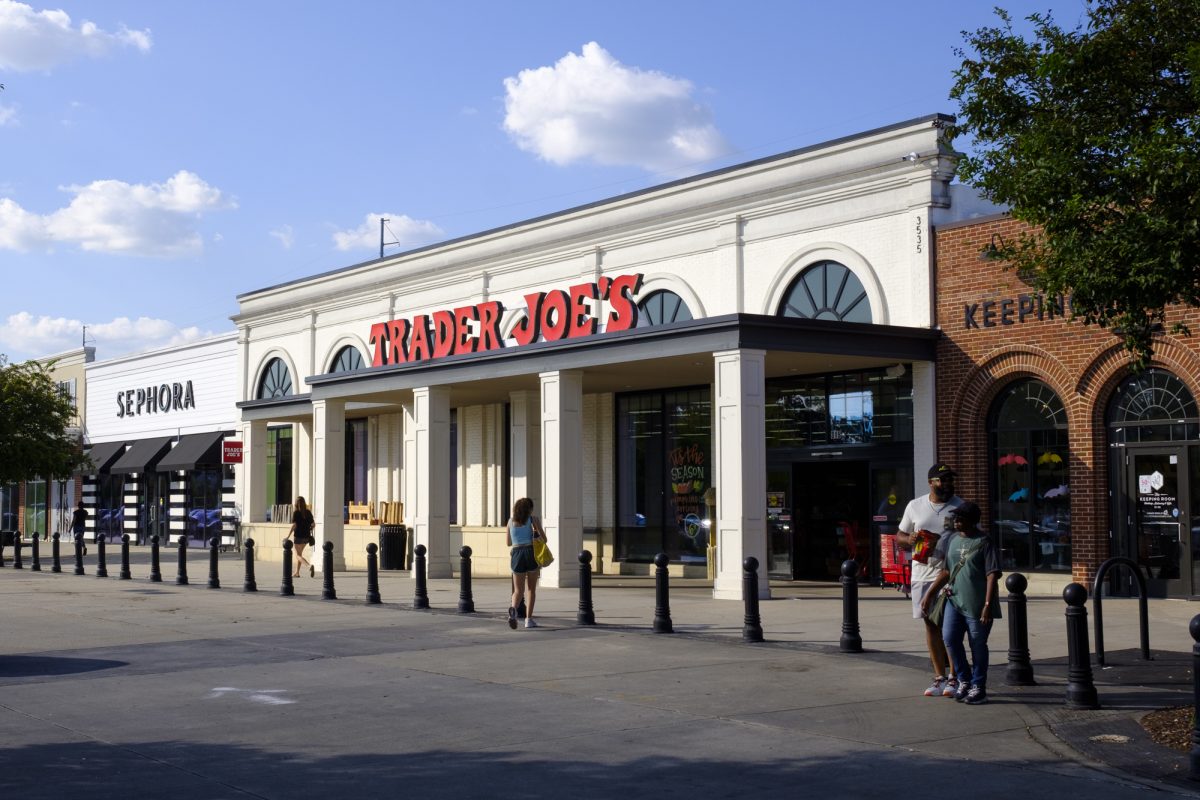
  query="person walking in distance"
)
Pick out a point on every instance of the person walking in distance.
point(925, 520)
point(522, 529)
point(79, 522)
point(302, 535)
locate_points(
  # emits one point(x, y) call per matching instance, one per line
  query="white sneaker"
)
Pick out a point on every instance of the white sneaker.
point(529, 623)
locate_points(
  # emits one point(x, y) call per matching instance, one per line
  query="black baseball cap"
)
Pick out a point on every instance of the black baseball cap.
point(940, 470)
point(969, 513)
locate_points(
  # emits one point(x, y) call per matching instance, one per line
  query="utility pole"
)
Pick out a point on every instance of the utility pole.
point(382, 222)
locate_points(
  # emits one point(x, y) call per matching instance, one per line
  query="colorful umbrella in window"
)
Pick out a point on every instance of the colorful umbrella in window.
point(1019, 494)
point(1059, 491)
point(1012, 458)
point(1050, 459)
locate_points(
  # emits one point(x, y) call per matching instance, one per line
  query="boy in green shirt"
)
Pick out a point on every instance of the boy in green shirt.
point(971, 574)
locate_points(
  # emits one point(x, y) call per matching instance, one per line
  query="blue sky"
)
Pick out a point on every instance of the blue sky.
point(158, 158)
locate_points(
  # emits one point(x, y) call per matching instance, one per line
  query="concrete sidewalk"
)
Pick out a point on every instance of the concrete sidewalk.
point(64, 634)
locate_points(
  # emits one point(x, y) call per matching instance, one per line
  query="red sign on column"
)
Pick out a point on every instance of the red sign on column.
point(231, 452)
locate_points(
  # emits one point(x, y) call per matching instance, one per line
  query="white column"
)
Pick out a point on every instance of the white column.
point(525, 441)
point(924, 424)
point(329, 478)
point(252, 474)
point(562, 473)
point(740, 471)
point(302, 461)
point(428, 506)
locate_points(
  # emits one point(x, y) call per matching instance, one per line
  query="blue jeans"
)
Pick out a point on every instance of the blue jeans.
point(954, 625)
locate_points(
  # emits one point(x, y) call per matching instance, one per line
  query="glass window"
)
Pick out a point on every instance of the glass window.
point(664, 497)
point(827, 290)
point(1152, 406)
point(279, 466)
point(662, 307)
point(453, 520)
point(276, 381)
point(8, 507)
point(110, 506)
point(1030, 478)
point(204, 505)
point(356, 461)
point(35, 507)
point(348, 359)
point(849, 408)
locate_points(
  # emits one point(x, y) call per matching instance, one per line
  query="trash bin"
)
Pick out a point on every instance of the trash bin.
point(8, 538)
point(392, 546)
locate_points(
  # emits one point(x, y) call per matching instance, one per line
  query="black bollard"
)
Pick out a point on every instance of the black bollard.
point(101, 558)
point(155, 567)
point(421, 593)
point(1020, 668)
point(1081, 692)
point(181, 576)
point(586, 615)
point(851, 641)
point(752, 622)
point(373, 597)
point(327, 592)
point(37, 561)
point(286, 589)
point(126, 574)
point(54, 554)
point(249, 585)
point(79, 554)
point(466, 602)
point(662, 596)
point(214, 580)
point(17, 563)
point(1194, 630)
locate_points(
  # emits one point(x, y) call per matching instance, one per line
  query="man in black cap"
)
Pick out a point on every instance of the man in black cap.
point(925, 520)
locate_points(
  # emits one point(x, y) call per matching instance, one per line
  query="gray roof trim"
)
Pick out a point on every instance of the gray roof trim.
point(293, 403)
point(931, 118)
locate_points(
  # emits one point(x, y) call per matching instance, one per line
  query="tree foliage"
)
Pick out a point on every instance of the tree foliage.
point(35, 419)
point(1092, 136)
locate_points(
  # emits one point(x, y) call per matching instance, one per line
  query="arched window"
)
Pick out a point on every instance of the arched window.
point(1030, 478)
point(348, 360)
point(276, 381)
point(662, 307)
point(827, 290)
point(1152, 406)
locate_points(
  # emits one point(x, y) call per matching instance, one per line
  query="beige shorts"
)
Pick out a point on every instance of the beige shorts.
point(918, 593)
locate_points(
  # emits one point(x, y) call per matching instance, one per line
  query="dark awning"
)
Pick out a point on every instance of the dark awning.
point(194, 450)
point(142, 457)
point(102, 456)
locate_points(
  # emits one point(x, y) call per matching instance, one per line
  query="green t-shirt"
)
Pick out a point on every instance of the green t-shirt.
point(979, 559)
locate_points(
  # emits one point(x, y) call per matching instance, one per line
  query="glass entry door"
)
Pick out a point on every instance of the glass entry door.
point(155, 507)
point(1159, 533)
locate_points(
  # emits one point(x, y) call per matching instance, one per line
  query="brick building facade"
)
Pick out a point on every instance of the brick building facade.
point(998, 336)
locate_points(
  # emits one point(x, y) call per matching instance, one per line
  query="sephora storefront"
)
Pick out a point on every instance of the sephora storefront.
point(736, 364)
point(155, 423)
point(1073, 456)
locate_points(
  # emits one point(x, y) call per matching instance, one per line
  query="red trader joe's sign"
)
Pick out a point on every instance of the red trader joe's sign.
point(231, 452)
point(550, 316)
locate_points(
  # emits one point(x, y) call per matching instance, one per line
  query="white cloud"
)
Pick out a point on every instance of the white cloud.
point(23, 335)
point(285, 235)
point(592, 107)
point(112, 216)
point(401, 228)
point(42, 40)
point(8, 115)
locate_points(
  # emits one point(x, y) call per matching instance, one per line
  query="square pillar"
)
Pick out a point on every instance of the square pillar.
point(525, 443)
point(740, 435)
point(302, 461)
point(252, 473)
point(562, 473)
point(329, 478)
point(925, 431)
point(427, 474)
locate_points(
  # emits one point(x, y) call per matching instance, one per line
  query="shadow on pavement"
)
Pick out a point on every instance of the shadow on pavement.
point(36, 666)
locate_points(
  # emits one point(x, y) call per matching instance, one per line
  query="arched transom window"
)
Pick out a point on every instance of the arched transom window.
point(662, 307)
point(348, 360)
point(276, 381)
point(827, 290)
point(1152, 406)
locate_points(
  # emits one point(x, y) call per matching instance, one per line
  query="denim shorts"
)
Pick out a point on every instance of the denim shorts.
point(523, 560)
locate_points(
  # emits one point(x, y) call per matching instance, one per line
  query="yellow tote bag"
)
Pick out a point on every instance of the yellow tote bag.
point(541, 553)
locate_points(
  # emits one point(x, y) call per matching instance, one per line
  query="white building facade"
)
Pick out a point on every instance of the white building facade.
point(154, 427)
point(736, 364)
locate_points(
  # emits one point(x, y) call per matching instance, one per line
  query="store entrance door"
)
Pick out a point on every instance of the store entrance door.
point(156, 496)
point(1157, 530)
point(831, 517)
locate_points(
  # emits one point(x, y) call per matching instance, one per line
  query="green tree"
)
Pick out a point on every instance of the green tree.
point(1092, 136)
point(35, 417)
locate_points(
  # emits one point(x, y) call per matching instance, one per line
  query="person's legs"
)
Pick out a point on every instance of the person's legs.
point(933, 634)
point(531, 578)
point(518, 589)
point(300, 559)
point(977, 637)
point(954, 626)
